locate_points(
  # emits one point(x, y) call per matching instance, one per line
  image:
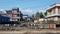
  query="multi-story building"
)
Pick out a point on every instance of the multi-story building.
point(14, 14)
point(53, 12)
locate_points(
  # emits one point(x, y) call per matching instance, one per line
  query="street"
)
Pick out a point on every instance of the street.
point(31, 32)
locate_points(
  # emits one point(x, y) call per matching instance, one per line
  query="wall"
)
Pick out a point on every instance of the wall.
point(4, 19)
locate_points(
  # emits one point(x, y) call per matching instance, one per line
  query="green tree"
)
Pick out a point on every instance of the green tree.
point(33, 15)
point(21, 16)
point(45, 13)
point(39, 15)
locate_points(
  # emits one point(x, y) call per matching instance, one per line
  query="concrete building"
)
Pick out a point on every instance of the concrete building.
point(14, 14)
point(53, 12)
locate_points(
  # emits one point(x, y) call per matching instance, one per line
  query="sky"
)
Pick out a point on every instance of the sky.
point(27, 6)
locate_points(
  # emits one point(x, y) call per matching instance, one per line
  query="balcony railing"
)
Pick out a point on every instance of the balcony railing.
point(16, 17)
point(17, 13)
point(53, 15)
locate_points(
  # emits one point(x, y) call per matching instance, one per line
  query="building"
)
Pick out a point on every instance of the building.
point(53, 12)
point(14, 14)
point(4, 19)
point(3, 12)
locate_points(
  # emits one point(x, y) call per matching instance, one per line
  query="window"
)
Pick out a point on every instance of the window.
point(53, 11)
point(15, 15)
point(59, 10)
point(13, 19)
point(49, 13)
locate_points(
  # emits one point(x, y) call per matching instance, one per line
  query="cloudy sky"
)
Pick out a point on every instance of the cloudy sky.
point(27, 6)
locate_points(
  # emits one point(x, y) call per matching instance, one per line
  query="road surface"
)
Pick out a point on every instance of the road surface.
point(30, 32)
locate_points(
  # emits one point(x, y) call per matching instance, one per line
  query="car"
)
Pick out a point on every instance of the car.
point(22, 25)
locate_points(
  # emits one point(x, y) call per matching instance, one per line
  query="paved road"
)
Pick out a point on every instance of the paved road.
point(29, 32)
point(12, 32)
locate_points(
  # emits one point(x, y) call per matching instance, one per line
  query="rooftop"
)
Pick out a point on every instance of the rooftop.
point(55, 4)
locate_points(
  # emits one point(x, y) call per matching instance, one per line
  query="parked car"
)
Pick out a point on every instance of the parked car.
point(23, 25)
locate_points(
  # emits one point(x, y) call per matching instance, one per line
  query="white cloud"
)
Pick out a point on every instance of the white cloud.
point(30, 11)
point(20, 9)
point(2, 11)
point(42, 11)
point(27, 10)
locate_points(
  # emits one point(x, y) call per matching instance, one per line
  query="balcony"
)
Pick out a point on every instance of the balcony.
point(16, 17)
point(53, 15)
point(16, 13)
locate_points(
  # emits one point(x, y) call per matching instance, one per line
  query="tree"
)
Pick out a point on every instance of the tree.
point(33, 17)
point(39, 15)
point(45, 13)
point(21, 16)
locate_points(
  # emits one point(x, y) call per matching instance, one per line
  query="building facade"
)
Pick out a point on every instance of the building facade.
point(4, 19)
point(14, 14)
point(53, 12)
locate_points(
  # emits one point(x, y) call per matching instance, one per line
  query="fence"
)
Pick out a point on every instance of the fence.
point(50, 22)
